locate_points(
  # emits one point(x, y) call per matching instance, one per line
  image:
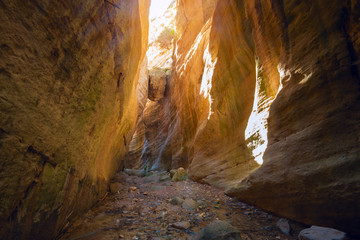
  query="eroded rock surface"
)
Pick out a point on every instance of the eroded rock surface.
point(311, 168)
point(291, 64)
point(68, 72)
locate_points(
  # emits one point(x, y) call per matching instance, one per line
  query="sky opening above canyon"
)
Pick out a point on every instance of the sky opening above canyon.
point(158, 8)
point(161, 33)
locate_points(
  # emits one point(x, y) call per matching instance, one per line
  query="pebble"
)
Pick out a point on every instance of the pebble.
point(218, 230)
point(181, 225)
point(176, 201)
point(189, 204)
point(284, 226)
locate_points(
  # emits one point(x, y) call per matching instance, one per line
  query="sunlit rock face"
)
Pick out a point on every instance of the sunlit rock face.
point(177, 111)
point(68, 106)
point(211, 94)
point(220, 154)
point(267, 81)
point(210, 97)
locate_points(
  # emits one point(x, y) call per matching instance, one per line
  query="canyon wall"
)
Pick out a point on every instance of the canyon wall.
point(171, 121)
point(311, 170)
point(68, 76)
point(190, 127)
point(151, 128)
point(295, 66)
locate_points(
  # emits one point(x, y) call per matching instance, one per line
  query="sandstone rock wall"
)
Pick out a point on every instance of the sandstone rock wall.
point(311, 164)
point(294, 64)
point(68, 75)
point(132, 158)
point(220, 152)
point(171, 122)
point(210, 94)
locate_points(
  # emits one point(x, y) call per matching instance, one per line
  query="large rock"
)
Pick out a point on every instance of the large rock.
point(68, 73)
point(179, 175)
point(218, 230)
point(321, 233)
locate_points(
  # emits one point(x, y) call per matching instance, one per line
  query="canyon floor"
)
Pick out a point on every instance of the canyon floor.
point(152, 207)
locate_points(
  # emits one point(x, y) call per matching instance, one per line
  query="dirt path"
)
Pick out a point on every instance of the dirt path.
point(150, 212)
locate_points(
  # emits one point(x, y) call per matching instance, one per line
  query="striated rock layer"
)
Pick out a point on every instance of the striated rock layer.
point(209, 96)
point(279, 78)
point(68, 106)
point(311, 170)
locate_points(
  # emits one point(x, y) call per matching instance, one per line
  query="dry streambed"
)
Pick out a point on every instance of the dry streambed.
point(154, 207)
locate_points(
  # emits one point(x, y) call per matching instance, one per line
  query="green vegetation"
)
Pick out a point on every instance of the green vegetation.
point(254, 140)
point(165, 38)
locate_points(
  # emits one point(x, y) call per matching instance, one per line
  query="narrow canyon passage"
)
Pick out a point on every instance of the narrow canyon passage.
point(180, 119)
point(146, 204)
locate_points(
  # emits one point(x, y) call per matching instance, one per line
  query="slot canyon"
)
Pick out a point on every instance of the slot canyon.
point(180, 119)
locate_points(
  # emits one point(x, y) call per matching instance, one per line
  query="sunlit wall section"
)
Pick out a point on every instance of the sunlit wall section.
point(206, 82)
point(256, 130)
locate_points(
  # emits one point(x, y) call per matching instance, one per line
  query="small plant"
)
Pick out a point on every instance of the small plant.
point(165, 38)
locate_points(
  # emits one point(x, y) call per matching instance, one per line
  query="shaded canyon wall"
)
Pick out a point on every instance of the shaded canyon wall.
point(311, 170)
point(68, 75)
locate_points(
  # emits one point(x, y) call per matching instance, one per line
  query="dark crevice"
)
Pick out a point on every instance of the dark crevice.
point(119, 80)
point(14, 215)
point(345, 15)
point(278, 8)
point(3, 132)
point(37, 5)
point(124, 140)
point(44, 158)
point(113, 4)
